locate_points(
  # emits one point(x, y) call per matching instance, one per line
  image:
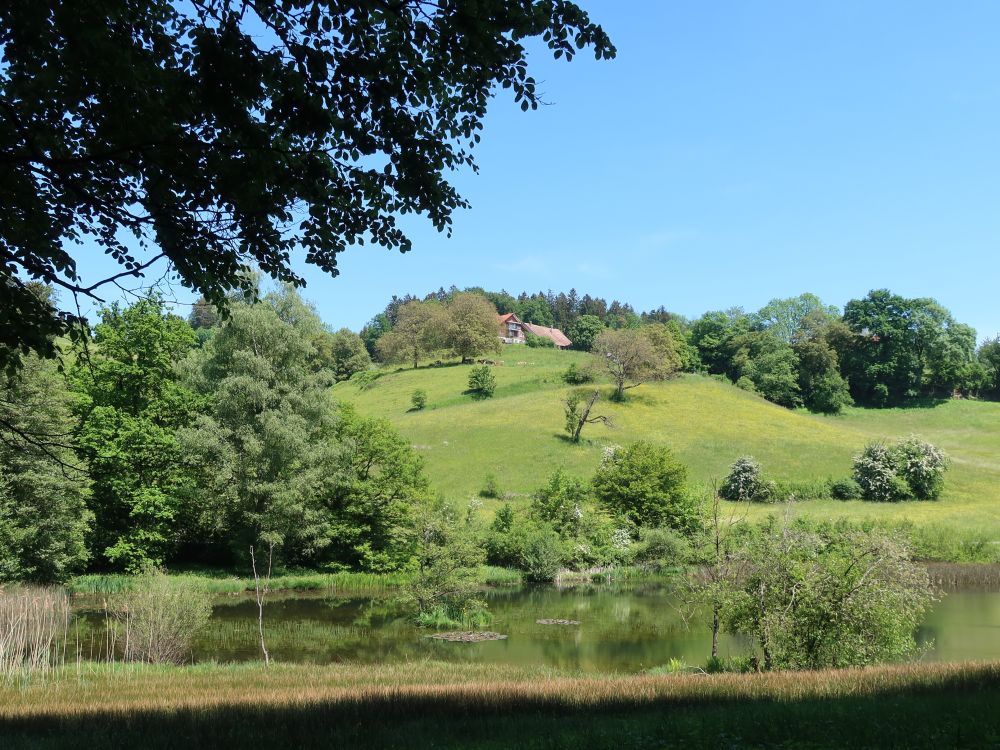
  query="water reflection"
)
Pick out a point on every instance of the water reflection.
point(621, 630)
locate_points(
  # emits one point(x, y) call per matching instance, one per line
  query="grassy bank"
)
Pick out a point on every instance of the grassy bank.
point(217, 582)
point(474, 706)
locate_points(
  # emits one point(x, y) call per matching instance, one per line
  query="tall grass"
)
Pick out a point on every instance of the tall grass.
point(33, 626)
point(157, 619)
point(348, 581)
point(964, 575)
point(104, 585)
point(493, 575)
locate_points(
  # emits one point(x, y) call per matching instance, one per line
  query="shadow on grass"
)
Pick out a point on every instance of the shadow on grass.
point(957, 712)
point(920, 402)
point(476, 395)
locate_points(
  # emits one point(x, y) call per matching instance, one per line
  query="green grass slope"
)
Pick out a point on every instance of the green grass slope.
point(518, 434)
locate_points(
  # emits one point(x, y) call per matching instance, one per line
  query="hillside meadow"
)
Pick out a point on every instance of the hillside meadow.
point(517, 435)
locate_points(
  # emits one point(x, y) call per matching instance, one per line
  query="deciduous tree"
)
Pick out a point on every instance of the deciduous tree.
point(263, 451)
point(584, 331)
point(43, 486)
point(131, 405)
point(472, 327)
point(629, 358)
point(819, 599)
point(645, 483)
point(419, 329)
point(222, 135)
point(347, 353)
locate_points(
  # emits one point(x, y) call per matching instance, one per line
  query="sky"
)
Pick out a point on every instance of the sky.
point(732, 153)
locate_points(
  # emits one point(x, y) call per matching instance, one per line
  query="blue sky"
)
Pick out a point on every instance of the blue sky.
point(732, 153)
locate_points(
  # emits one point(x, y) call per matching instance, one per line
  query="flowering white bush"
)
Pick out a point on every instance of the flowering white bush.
point(922, 465)
point(875, 473)
point(745, 482)
point(911, 468)
point(609, 453)
point(621, 539)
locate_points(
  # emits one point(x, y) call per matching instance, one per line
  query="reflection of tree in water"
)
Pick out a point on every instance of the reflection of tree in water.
point(622, 629)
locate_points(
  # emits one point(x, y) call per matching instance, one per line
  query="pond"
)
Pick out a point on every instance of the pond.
point(622, 629)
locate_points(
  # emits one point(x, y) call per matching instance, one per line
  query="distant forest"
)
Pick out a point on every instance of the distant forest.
point(881, 350)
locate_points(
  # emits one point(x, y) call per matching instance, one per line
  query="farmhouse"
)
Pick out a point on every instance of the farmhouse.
point(514, 331)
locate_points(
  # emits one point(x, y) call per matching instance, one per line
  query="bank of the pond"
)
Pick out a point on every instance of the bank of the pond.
point(487, 706)
point(949, 574)
point(220, 582)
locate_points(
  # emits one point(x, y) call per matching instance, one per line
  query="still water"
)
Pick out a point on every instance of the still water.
point(621, 629)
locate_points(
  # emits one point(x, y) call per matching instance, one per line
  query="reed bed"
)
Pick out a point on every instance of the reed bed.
point(104, 585)
point(348, 581)
point(34, 623)
point(964, 575)
point(496, 576)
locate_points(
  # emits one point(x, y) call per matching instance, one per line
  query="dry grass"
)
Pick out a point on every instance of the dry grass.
point(409, 689)
point(964, 575)
point(33, 626)
point(438, 705)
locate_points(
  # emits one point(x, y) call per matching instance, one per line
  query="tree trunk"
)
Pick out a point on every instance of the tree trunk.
point(262, 591)
point(715, 632)
point(583, 417)
point(765, 636)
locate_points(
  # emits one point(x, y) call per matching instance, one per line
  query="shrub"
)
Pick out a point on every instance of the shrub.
point(157, 618)
point(661, 548)
point(845, 489)
point(780, 491)
point(543, 554)
point(836, 597)
point(418, 399)
point(482, 381)
point(645, 484)
point(746, 384)
point(875, 473)
point(599, 541)
point(745, 482)
point(491, 487)
point(922, 465)
point(504, 542)
point(577, 375)
point(539, 342)
point(911, 468)
point(560, 503)
point(445, 584)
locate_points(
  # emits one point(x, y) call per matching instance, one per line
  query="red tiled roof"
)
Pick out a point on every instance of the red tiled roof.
point(508, 316)
point(550, 333)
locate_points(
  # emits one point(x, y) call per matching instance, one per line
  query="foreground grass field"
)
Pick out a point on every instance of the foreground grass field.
point(517, 435)
point(449, 706)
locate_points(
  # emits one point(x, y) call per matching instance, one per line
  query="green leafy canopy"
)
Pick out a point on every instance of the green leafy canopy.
point(223, 135)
